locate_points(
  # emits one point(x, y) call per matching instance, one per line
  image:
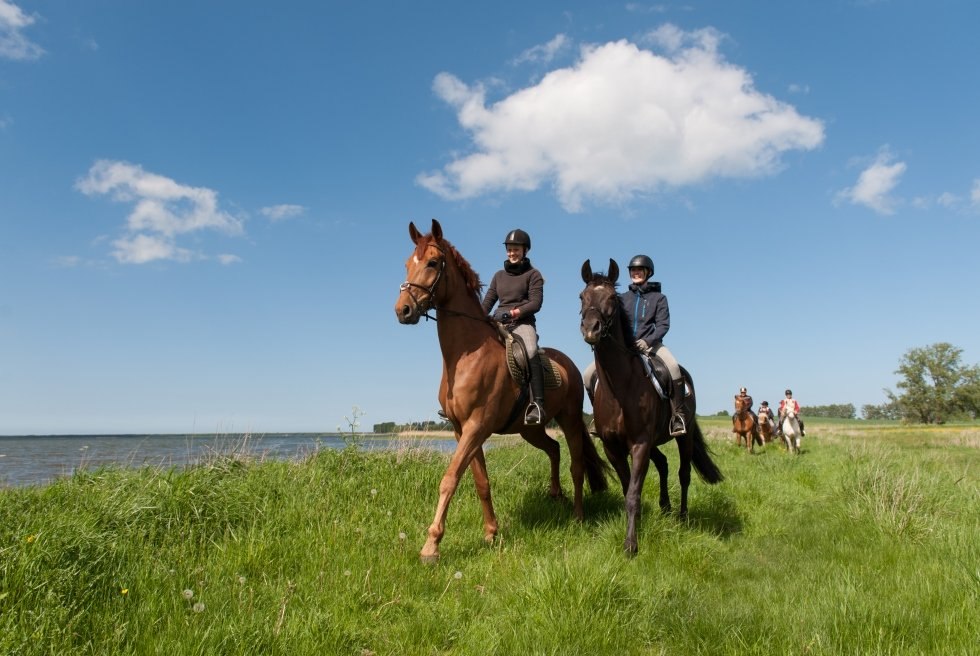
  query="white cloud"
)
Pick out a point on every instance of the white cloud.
point(281, 212)
point(975, 193)
point(623, 121)
point(13, 43)
point(544, 53)
point(875, 185)
point(162, 211)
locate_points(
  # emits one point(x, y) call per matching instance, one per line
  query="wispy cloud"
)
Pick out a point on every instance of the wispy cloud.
point(13, 43)
point(544, 54)
point(163, 210)
point(281, 212)
point(975, 193)
point(622, 121)
point(875, 184)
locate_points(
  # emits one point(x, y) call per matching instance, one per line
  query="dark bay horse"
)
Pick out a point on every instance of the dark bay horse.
point(630, 417)
point(477, 392)
point(744, 424)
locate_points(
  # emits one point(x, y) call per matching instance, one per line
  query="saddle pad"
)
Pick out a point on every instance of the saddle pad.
point(518, 371)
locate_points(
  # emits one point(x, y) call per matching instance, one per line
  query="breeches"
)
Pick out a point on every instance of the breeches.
point(664, 354)
point(530, 337)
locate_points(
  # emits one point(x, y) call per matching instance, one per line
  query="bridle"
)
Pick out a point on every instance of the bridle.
point(424, 306)
point(605, 323)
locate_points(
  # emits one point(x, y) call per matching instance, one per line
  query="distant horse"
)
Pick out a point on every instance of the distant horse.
point(745, 425)
point(791, 430)
point(477, 392)
point(765, 424)
point(630, 416)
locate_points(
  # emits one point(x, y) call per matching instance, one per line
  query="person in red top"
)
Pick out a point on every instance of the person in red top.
point(790, 402)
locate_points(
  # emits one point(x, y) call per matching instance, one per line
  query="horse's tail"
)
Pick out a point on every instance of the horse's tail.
point(705, 466)
point(595, 467)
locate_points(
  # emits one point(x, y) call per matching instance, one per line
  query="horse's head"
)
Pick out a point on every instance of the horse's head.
point(600, 302)
point(436, 273)
point(424, 269)
point(741, 404)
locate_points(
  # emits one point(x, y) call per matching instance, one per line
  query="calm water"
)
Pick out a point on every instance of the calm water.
point(36, 460)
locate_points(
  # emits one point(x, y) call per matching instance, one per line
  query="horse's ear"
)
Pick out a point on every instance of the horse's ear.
point(613, 270)
point(587, 272)
point(413, 232)
point(436, 230)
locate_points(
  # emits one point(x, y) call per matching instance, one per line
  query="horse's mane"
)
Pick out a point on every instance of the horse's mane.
point(470, 278)
point(602, 279)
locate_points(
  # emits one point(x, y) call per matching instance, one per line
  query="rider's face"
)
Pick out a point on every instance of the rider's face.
point(515, 253)
point(638, 275)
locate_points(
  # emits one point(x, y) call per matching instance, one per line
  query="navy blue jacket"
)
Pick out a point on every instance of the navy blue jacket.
point(647, 311)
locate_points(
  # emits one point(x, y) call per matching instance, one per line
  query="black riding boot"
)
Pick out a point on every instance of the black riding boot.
point(677, 425)
point(535, 410)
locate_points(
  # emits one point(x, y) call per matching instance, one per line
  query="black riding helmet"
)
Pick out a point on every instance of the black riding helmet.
point(519, 238)
point(642, 261)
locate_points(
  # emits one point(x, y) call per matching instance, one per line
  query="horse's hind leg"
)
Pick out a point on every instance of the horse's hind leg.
point(536, 436)
point(660, 462)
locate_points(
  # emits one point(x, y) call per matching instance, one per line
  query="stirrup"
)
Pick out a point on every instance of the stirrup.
point(677, 425)
point(533, 414)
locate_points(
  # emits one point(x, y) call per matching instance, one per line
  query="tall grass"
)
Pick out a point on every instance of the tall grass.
point(867, 543)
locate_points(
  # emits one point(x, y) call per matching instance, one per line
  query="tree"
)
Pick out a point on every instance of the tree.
point(935, 386)
point(888, 410)
point(836, 411)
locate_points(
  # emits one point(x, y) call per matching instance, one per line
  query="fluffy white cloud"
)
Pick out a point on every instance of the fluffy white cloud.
point(13, 43)
point(162, 210)
point(875, 184)
point(281, 212)
point(622, 121)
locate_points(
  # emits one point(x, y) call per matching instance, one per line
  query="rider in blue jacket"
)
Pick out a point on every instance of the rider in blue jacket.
point(649, 318)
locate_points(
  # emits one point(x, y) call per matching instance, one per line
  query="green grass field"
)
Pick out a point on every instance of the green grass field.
point(867, 543)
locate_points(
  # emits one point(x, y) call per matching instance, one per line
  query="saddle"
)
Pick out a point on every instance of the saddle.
point(517, 361)
point(658, 374)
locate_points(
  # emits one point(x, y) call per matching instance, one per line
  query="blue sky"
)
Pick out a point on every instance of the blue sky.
point(204, 206)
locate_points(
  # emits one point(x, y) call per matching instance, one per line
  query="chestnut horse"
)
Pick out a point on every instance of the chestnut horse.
point(744, 424)
point(630, 417)
point(765, 424)
point(477, 393)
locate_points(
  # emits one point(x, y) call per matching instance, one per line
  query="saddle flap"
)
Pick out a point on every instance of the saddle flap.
point(518, 366)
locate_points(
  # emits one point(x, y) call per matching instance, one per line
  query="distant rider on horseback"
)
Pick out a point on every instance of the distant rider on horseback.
point(744, 394)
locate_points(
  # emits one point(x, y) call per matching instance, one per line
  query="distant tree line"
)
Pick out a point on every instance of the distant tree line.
point(834, 411)
point(392, 427)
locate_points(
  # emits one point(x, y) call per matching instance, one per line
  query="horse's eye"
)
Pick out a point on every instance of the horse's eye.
point(433, 263)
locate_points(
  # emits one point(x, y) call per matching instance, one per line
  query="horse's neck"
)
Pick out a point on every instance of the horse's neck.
point(613, 356)
point(462, 327)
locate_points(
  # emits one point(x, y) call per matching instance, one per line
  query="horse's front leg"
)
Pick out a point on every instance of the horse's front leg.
point(634, 495)
point(466, 448)
point(479, 468)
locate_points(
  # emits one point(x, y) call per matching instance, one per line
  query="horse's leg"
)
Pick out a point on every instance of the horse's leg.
point(575, 432)
point(479, 468)
point(536, 436)
point(466, 448)
point(660, 462)
point(617, 457)
point(685, 448)
point(634, 496)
